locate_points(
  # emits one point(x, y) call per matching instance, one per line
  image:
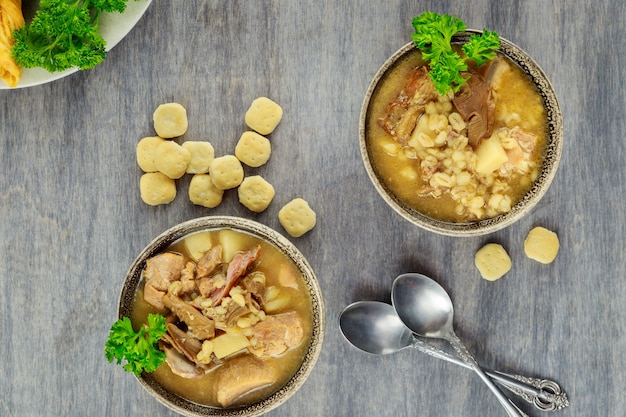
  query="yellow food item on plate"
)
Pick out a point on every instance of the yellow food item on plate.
point(541, 245)
point(172, 159)
point(157, 188)
point(263, 115)
point(492, 261)
point(253, 149)
point(170, 120)
point(146, 151)
point(226, 172)
point(255, 193)
point(203, 192)
point(202, 154)
point(297, 217)
point(11, 18)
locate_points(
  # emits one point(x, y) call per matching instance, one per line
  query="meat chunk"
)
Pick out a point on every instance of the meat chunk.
point(209, 261)
point(237, 267)
point(241, 376)
point(199, 325)
point(277, 334)
point(184, 343)
point(180, 365)
point(161, 270)
point(476, 105)
point(153, 296)
point(402, 113)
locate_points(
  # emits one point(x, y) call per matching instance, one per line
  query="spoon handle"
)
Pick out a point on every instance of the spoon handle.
point(544, 394)
point(511, 409)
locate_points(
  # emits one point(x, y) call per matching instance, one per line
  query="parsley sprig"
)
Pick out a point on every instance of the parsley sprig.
point(138, 349)
point(433, 36)
point(64, 34)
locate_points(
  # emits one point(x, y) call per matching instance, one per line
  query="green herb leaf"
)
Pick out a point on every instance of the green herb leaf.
point(482, 48)
point(64, 34)
point(138, 349)
point(433, 36)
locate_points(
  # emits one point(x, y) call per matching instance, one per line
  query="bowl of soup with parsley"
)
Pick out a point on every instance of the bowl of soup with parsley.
point(468, 162)
point(243, 313)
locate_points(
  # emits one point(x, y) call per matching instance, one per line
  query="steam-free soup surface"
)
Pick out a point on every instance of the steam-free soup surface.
point(290, 296)
point(433, 168)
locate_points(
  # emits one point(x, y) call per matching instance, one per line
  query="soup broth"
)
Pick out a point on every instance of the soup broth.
point(284, 277)
point(435, 170)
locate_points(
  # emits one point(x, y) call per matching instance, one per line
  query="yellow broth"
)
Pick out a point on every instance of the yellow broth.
point(204, 390)
point(520, 97)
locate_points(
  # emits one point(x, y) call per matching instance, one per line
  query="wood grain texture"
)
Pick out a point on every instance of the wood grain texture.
point(71, 220)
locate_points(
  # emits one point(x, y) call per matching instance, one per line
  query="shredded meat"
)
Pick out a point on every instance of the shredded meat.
point(402, 113)
point(236, 269)
point(209, 262)
point(199, 325)
point(184, 343)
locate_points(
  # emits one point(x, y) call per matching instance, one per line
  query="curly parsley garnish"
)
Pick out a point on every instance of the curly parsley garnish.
point(64, 34)
point(139, 349)
point(433, 36)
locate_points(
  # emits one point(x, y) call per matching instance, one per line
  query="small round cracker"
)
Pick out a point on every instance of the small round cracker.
point(253, 149)
point(203, 192)
point(263, 115)
point(172, 159)
point(146, 150)
point(255, 193)
point(492, 261)
point(170, 120)
point(226, 172)
point(297, 217)
point(202, 154)
point(157, 188)
point(541, 245)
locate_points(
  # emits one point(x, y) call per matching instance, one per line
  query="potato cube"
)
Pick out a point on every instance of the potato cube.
point(263, 115)
point(197, 244)
point(490, 156)
point(232, 242)
point(229, 343)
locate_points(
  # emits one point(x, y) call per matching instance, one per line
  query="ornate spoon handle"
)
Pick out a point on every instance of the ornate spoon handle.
point(511, 409)
point(544, 394)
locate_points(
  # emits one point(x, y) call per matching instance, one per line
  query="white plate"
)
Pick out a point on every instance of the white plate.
point(113, 28)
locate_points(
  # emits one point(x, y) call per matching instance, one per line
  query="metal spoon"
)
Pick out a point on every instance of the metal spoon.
point(374, 327)
point(425, 308)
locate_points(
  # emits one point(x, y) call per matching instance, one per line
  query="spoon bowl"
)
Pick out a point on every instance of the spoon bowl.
point(374, 327)
point(423, 306)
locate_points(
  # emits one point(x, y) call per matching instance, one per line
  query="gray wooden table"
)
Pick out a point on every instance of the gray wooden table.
point(71, 220)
